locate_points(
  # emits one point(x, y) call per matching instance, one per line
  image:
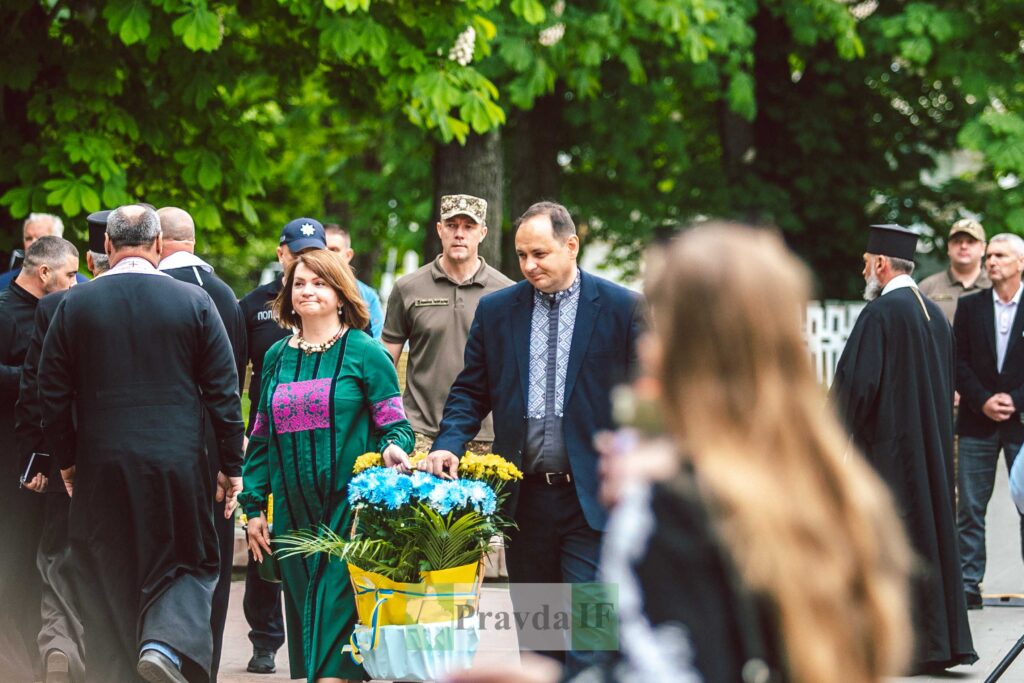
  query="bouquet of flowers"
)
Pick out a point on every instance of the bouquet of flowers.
point(414, 557)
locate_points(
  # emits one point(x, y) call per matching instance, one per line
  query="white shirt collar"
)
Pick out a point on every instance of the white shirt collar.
point(898, 282)
point(133, 264)
point(183, 259)
point(1013, 300)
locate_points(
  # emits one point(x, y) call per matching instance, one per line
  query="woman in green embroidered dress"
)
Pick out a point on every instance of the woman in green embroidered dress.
point(330, 393)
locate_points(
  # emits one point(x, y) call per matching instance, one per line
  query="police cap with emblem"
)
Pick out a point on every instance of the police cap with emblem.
point(303, 233)
point(892, 240)
point(97, 229)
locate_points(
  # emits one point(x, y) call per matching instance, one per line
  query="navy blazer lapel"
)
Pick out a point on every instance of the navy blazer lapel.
point(522, 318)
point(988, 323)
point(1015, 331)
point(586, 317)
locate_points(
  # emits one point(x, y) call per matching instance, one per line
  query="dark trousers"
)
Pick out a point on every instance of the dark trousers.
point(976, 476)
point(21, 514)
point(221, 594)
point(61, 619)
point(553, 544)
point(262, 607)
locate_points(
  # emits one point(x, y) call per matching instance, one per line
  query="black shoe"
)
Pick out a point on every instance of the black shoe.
point(155, 667)
point(262, 661)
point(58, 669)
point(974, 600)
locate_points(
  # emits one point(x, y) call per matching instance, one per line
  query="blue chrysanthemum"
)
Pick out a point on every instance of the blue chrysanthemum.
point(480, 496)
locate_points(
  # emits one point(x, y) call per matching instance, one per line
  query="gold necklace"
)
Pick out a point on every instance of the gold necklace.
point(309, 348)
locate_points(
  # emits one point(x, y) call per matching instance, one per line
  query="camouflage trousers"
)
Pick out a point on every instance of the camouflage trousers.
point(423, 443)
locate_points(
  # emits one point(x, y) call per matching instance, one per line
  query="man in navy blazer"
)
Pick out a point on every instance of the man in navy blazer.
point(989, 332)
point(543, 356)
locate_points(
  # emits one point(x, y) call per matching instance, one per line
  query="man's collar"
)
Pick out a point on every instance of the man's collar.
point(22, 292)
point(183, 259)
point(570, 290)
point(1015, 299)
point(133, 264)
point(478, 278)
point(900, 281)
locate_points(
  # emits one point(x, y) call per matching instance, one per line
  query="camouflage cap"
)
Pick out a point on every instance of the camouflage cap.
point(464, 204)
point(968, 226)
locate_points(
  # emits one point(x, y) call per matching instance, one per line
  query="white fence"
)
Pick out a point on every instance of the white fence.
point(827, 326)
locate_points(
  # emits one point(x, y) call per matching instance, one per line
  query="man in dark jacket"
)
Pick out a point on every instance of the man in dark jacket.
point(990, 378)
point(51, 264)
point(543, 355)
point(178, 260)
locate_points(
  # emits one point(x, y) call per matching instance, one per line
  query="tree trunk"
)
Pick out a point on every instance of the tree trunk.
point(475, 168)
point(532, 141)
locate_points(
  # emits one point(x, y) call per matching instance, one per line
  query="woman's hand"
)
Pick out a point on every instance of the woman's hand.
point(258, 534)
point(395, 457)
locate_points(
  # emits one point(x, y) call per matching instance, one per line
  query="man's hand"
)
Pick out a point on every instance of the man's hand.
point(444, 464)
point(999, 407)
point(395, 457)
point(258, 535)
point(38, 483)
point(68, 476)
point(228, 489)
point(956, 399)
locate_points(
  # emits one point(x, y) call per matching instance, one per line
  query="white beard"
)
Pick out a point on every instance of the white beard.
point(872, 288)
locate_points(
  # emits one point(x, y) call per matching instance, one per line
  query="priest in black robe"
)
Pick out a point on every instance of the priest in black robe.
point(51, 264)
point(178, 259)
point(893, 389)
point(128, 365)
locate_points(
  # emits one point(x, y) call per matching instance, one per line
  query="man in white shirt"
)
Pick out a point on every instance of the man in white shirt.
point(990, 378)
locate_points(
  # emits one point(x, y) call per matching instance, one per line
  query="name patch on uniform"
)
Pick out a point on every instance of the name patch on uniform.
point(430, 302)
point(265, 315)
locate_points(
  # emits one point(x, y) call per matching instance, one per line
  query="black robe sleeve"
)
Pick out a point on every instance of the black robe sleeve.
point(858, 375)
point(218, 382)
point(56, 391)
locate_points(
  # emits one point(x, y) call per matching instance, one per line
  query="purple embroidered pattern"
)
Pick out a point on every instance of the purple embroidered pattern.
point(301, 406)
point(388, 411)
point(260, 426)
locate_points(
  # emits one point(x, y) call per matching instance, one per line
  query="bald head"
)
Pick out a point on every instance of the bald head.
point(176, 224)
point(132, 226)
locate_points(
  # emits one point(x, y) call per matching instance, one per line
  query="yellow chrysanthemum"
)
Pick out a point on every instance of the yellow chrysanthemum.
point(489, 466)
point(366, 461)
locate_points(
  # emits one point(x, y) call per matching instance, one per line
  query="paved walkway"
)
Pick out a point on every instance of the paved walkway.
point(995, 628)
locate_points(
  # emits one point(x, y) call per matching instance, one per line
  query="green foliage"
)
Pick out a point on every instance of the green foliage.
point(249, 114)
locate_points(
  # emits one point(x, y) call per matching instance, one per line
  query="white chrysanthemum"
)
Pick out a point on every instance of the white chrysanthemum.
point(551, 35)
point(462, 50)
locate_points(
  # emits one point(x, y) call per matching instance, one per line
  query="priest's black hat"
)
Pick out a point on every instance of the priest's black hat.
point(97, 229)
point(892, 240)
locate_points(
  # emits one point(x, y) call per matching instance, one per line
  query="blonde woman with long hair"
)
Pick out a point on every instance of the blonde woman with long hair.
point(768, 554)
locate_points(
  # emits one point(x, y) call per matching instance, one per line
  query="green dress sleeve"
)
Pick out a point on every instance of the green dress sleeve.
point(255, 469)
point(386, 410)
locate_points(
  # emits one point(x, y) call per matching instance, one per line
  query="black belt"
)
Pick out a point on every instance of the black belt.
point(550, 478)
